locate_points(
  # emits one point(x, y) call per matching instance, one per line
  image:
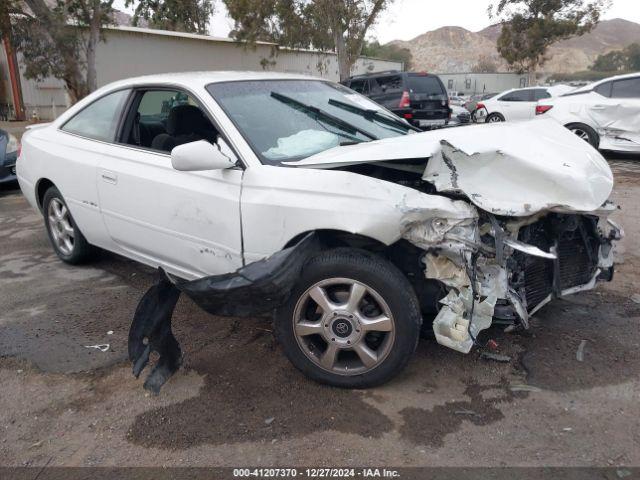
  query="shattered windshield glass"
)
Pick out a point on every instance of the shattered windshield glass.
point(296, 122)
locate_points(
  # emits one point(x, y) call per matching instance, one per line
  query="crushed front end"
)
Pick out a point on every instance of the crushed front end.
point(507, 268)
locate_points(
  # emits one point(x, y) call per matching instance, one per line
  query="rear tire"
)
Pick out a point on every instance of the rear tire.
point(585, 132)
point(364, 327)
point(494, 118)
point(65, 236)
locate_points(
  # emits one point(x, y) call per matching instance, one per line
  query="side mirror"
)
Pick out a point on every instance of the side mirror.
point(202, 155)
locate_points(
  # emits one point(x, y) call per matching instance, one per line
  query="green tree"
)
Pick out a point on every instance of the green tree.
point(632, 52)
point(627, 59)
point(530, 26)
point(329, 25)
point(610, 62)
point(177, 15)
point(388, 51)
point(58, 38)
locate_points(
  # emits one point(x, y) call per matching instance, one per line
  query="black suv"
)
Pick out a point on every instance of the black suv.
point(420, 98)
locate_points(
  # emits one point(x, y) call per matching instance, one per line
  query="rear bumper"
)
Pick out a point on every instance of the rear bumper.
point(426, 119)
point(479, 115)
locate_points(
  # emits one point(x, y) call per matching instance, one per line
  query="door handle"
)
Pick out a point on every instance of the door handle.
point(109, 177)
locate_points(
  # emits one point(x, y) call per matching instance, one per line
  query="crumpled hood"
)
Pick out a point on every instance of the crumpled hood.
point(514, 169)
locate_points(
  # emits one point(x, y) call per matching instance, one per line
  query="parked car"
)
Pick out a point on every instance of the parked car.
point(419, 98)
point(205, 173)
point(459, 116)
point(458, 101)
point(457, 94)
point(516, 104)
point(9, 150)
point(606, 113)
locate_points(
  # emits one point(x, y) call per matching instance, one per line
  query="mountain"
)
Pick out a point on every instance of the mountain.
point(455, 49)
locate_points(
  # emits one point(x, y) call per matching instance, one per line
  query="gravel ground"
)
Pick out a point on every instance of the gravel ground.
point(238, 402)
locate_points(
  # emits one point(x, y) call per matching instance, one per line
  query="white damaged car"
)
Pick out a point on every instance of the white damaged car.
point(606, 113)
point(207, 174)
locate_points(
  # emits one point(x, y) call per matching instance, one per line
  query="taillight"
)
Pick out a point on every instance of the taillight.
point(540, 109)
point(480, 105)
point(405, 101)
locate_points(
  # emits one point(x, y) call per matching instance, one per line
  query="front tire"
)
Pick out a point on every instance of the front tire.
point(65, 236)
point(585, 132)
point(352, 321)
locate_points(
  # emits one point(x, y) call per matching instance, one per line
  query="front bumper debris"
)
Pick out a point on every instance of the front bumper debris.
point(521, 263)
point(255, 289)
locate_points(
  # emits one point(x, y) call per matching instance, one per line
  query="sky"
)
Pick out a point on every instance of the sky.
point(407, 19)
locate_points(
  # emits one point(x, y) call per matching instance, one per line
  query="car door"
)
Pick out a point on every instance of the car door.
point(76, 150)
point(517, 105)
point(186, 222)
point(615, 108)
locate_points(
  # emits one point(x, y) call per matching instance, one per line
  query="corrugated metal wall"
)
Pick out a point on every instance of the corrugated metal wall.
point(472, 83)
point(130, 52)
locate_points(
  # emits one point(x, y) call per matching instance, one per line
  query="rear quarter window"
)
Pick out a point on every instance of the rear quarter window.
point(360, 86)
point(604, 89)
point(541, 93)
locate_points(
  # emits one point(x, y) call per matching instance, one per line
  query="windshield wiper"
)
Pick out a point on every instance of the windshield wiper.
point(317, 113)
point(371, 114)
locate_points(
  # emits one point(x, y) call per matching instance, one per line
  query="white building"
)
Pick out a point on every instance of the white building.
point(132, 51)
point(476, 83)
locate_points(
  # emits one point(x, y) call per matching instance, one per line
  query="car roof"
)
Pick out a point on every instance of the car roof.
point(593, 85)
point(389, 72)
point(206, 77)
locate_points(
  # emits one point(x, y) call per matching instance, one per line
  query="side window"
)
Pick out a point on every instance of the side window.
point(627, 88)
point(389, 84)
point(99, 120)
point(360, 86)
point(164, 119)
point(540, 93)
point(604, 89)
point(518, 96)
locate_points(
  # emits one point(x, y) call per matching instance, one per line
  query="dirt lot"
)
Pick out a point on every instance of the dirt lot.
point(238, 402)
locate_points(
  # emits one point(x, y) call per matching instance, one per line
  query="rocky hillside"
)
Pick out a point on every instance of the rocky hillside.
point(455, 49)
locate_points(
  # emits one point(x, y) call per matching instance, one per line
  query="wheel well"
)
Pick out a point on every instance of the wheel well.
point(43, 185)
point(339, 238)
point(586, 127)
point(404, 255)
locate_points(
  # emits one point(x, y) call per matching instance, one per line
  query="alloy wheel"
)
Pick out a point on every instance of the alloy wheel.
point(344, 326)
point(581, 133)
point(60, 226)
